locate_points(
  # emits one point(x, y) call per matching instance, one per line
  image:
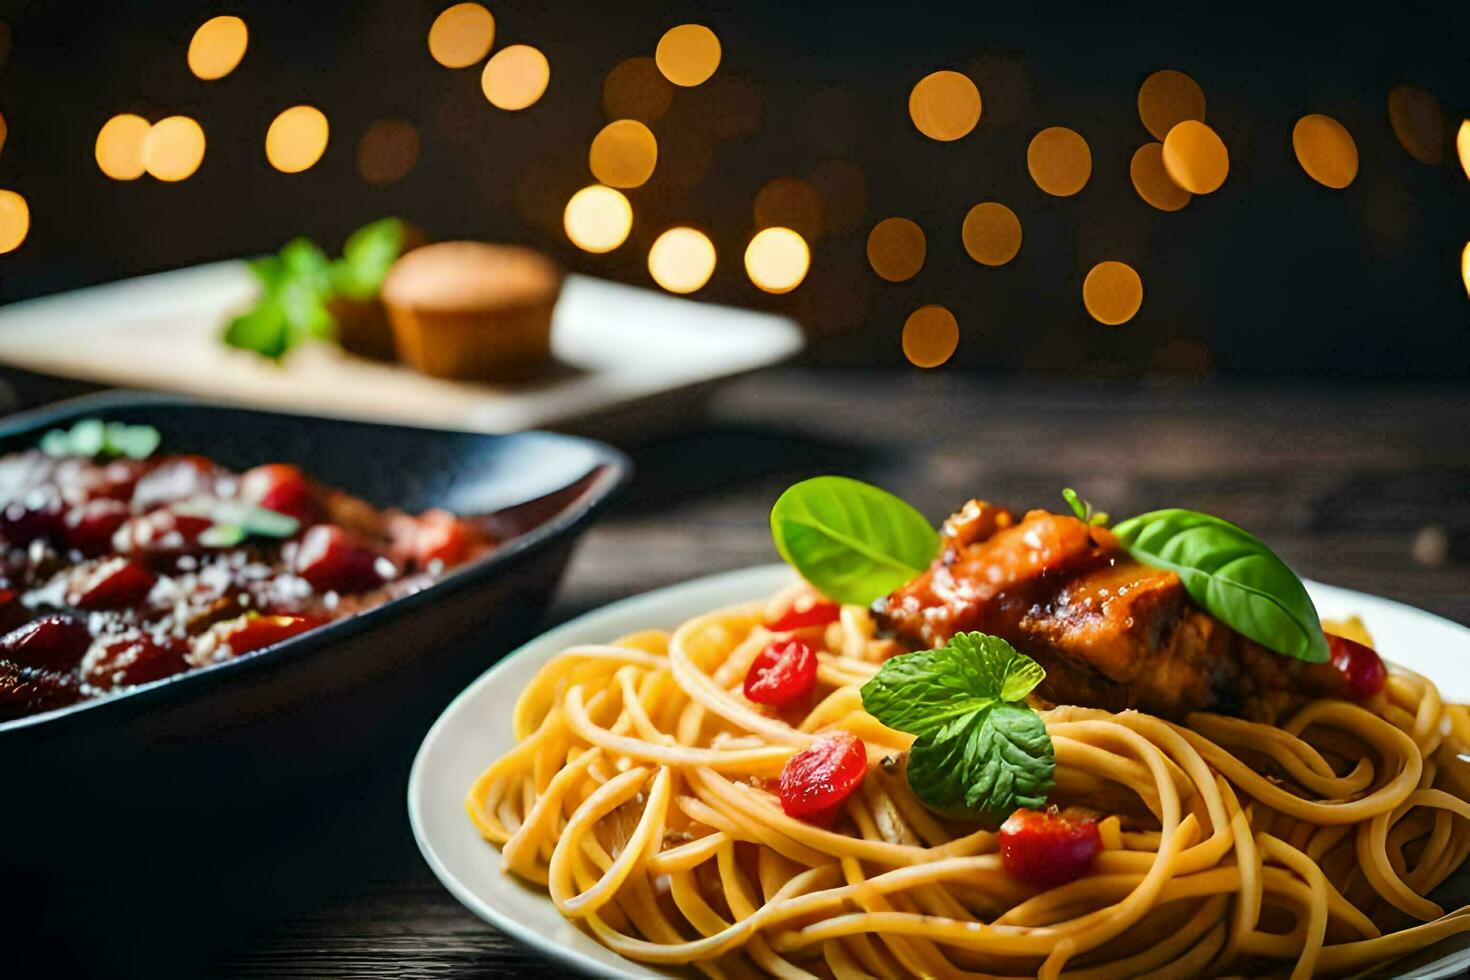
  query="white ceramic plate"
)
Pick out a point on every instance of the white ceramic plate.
point(475, 729)
point(620, 344)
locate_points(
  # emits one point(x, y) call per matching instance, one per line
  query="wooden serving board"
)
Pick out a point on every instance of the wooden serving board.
point(615, 344)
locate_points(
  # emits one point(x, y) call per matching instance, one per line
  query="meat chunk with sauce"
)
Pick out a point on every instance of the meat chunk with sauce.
point(1111, 632)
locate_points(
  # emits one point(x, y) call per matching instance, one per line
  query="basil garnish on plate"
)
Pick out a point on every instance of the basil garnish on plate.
point(851, 541)
point(92, 438)
point(980, 750)
point(1232, 575)
point(235, 520)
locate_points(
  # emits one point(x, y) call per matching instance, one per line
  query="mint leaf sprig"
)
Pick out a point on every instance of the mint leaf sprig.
point(981, 751)
point(92, 438)
point(235, 520)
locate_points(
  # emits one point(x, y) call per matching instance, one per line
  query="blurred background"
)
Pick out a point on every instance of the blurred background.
point(809, 120)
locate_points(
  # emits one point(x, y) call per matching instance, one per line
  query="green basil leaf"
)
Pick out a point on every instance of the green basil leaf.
point(1231, 575)
point(1083, 509)
point(853, 542)
point(984, 765)
point(93, 437)
point(921, 692)
point(132, 441)
point(250, 519)
point(262, 330)
point(222, 536)
point(366, 257)
point(88, 438)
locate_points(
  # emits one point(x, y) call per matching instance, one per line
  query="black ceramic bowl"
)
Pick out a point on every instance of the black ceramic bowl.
point(211, 743)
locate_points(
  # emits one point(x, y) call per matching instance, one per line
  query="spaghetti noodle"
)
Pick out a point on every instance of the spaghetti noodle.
point(640, 794)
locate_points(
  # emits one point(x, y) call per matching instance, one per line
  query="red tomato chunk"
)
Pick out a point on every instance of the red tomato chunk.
point(282, 488)
point(1047, 848)
point(819, 613)
point(816, 780)
point(1361, 668)
point(783, 673)
point(331, 558)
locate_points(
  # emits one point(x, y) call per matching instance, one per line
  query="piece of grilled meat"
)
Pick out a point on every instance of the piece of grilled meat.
point(1111, 632)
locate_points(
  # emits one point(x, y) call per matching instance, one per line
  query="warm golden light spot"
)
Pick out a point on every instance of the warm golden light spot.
point(681, 260)
point(1195, 157)
point(1325, 149)
point(1462, 146)
point(1167, 98)
point(217, 47)
point(636, 89)
point(896, 249)
point(173, 148)
point(1465, 267)
point(688, 54)
point(777, 260)
point(1152, 180)
point(1418, 122)
point(1112, 293)
point(930, 336)
point(15, 220)
point(623, 154)
point(1059, 160)
point(515, 77)
point(461, 35)
point(843, 189)
point(598, 219)
point(4, 132)
point(944, 105)
point(297, 138)
point(790, 202)
point(388, 150)
point(991, 233)
point(119, 147)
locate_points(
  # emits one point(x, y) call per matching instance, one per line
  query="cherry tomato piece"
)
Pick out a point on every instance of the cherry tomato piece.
point(1360, 666)
point(442, 537)
point(1048, 848)
point(819, 613)
point(282, 488)
point(54, 642)
point(783, 673)
point(333, 559)
point(27, 690)
point(816, 780)
point(162, 533)
point(22, 523)
point(134, 658)
point(114, 584)
point(90, 526)
point(250, 633)
point(175, 478)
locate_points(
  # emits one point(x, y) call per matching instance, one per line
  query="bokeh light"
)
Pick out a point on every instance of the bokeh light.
point(1059, 160)
point(515, 78)
point(1112, 293)
point(991, 233)
point(1462, 147)
point(777, 260)
point(597, 219)
point(1167, 98)
point(1326, 150)
point(944, 105)
point(681, 260)
point(790, 202)
point(688, 54)
point(930, 336)
point(636, 89)
point(217, 47)
point(297, 138)
point(461, 35)
point(1152, 181)
point(388, 150)
point(896, 249)
point(1195, 157)
point(623, 154)
point(1465, 267)
point(15, 220)
point(173, 148)
point(1419, 123)
point(843, 190)
point(119, 149)
point(4, 132)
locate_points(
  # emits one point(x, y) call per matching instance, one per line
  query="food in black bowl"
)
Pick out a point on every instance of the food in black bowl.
point(261, 602)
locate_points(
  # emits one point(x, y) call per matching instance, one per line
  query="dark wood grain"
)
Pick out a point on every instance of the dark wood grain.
point(1339, 480)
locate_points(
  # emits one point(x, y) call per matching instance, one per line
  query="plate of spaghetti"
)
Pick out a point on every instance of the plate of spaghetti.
point(1035, 744)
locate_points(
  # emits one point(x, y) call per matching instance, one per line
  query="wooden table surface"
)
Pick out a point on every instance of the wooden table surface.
point(1341, 480)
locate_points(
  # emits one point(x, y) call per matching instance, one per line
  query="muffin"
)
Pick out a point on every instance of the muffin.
point(471, 310)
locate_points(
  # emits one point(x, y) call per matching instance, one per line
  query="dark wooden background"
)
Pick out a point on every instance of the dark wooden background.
point(1362, 485)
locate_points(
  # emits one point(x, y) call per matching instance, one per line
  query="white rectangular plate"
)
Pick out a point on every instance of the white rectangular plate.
point(617, 344)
